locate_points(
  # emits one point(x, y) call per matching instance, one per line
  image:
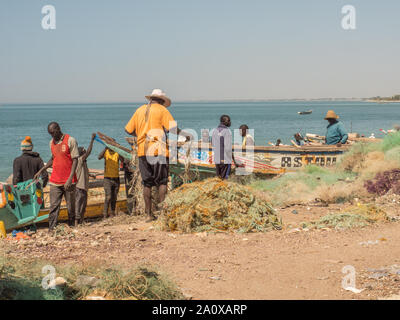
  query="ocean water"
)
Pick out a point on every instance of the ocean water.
point(270, 121)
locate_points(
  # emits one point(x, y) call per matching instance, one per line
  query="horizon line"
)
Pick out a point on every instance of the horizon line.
point(186, 100)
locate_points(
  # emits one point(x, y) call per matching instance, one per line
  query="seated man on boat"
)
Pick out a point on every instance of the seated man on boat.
point(278, 143)
point(28, 164)
point(298, 140)
point(150, 123)
point(335, 133)
point(248, 140)
point(64, 151)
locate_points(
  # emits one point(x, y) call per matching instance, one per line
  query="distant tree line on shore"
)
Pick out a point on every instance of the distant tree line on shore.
point(392, 98)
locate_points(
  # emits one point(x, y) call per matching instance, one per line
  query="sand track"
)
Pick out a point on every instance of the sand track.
point(275, 265)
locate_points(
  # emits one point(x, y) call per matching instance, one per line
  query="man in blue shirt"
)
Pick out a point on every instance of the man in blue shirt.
point(222, 147)
point(335, 133)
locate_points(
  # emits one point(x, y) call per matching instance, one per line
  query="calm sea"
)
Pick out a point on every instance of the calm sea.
point(270, 121)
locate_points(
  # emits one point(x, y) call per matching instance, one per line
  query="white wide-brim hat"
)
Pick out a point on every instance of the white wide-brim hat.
point(158, 93)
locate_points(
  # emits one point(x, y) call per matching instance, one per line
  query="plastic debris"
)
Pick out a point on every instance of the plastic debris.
point(18, 235)
point(354, 290)
point(369, 242)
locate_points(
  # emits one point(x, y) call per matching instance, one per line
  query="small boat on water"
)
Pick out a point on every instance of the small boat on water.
point(305, 112)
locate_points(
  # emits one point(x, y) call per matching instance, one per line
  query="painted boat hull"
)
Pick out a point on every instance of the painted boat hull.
point(269, 160)
point(94, 210)
point(262, 160)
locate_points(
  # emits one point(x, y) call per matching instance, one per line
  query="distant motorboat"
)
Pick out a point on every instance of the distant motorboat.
point(305, 112)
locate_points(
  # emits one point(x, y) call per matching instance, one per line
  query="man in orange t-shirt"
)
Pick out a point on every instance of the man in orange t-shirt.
point(150, 124)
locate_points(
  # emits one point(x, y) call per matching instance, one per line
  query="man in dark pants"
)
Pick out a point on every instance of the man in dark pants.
point(222, 147)
point(150, 124)
point(111, 179)
point(82, 185)
point(28, 164)
point(64, 150)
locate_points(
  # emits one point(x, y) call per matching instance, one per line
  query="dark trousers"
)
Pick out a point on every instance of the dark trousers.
point(56, 194)
point(223, 170)
point(154, 170)
point(80, 204)
point(111, 189)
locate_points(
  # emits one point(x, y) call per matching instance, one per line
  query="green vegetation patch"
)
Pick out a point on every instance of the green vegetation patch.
point(22, 280)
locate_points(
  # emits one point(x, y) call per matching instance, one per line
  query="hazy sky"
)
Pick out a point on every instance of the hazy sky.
point(104, 51)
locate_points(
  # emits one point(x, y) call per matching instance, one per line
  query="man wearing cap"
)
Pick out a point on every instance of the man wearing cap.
point(150, 124)
point(28, 164)
point(64, 160)
point(335, 133)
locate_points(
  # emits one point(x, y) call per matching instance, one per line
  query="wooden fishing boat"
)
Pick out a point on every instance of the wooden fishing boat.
point(25, 205)
point(93, 210)
point(269, 160)
point(261, 160)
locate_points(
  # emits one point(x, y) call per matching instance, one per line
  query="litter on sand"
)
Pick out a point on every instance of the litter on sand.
point(354, 290)
point(217, 205)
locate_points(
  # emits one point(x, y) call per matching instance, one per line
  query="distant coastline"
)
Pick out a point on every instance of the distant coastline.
point(183, 101)
point(378, 99)
point(382, 101)
point(394, 99)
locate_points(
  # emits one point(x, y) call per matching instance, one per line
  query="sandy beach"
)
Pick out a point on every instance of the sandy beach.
point(289, 264)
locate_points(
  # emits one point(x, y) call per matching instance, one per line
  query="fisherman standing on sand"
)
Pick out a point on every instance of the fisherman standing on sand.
point(64, 150)
point(28, 164)
point(222, 147)
point(82, 185)
point(111, 179)
point(150, 124)
point(336, 133)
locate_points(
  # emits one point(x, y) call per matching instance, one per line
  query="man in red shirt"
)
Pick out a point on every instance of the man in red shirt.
point(64, 150)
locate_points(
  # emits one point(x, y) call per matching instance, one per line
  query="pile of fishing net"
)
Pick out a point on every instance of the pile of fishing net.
point(216, 205)
point(357, 216)
point(22, 280)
